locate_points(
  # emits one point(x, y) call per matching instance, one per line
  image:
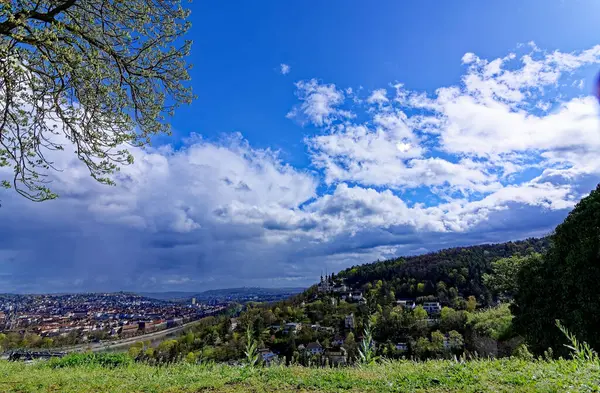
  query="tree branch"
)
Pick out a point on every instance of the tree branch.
point(7, 26)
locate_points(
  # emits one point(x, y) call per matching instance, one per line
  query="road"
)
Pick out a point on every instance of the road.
point(112, 345)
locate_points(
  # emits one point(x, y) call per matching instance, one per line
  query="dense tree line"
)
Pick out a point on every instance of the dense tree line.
point(444, 275)
point(26, 339)
point(563, 283)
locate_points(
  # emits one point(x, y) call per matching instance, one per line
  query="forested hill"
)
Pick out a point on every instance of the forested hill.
point(446, 274)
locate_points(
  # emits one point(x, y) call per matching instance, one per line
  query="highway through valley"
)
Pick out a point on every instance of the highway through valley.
point(123, 344)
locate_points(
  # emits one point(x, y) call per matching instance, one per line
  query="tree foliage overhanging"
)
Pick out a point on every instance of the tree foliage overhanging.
point(94, 74)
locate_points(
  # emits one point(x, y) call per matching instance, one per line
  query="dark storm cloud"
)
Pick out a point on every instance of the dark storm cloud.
point(73, 252)
point(155, 232)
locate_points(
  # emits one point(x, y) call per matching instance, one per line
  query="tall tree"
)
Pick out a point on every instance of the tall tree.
point(91, 75)
point(564, 284)
point(503, 281)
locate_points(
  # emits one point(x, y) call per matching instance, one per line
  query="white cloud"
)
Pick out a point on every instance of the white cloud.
point(491, 116)
point(284, 69)
point(462, 215)
point(469, 58)
point(320, 103)
point(378, 96)
point(471, 136)
point(209, 177)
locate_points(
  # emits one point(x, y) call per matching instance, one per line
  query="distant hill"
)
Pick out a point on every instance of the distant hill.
point(435, 274)
point(173, 296)
point(241, 295)
point(246, 294)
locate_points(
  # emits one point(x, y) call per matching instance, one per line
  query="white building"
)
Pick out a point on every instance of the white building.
point(349, 322)
point(406, 303)
point(432, 307)
point(292, 327)
point(355, 296)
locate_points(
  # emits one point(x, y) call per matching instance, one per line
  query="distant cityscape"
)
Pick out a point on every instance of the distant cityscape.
point(49, 320)
point(95, 316)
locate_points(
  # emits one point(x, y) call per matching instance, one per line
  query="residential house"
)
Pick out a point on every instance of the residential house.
point(314, 348)
point(319, 328)
point(432, 307)
point(340, 288)
point(403, 347)
point(267, 356)
point(355, 296)
point(338, 341)
point(292, 327)
point(336, 356)
point(406, 303)
point(80, 314)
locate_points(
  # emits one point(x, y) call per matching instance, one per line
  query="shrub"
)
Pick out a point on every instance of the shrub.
point(109, 360)
point(494, 322)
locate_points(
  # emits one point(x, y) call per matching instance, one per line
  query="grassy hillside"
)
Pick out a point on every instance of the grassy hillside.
point(507, 375)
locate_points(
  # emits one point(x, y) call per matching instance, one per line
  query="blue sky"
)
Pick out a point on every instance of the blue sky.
point(237, 51)
point(395, 129)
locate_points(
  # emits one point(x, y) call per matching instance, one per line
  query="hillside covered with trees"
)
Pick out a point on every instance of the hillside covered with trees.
point(428, 306)
point(446, 276)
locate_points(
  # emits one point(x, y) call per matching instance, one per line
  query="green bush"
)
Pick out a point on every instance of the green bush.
point(493, 322)
point(109, 360)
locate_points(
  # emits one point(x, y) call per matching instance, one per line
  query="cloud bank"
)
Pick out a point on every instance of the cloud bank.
point(503, 154)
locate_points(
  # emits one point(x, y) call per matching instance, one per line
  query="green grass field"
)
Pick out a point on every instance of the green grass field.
point(508, 375)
